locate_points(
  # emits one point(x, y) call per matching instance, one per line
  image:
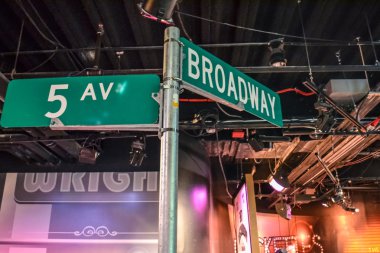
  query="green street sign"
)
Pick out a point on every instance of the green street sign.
point(211, 77)
point(88, 103)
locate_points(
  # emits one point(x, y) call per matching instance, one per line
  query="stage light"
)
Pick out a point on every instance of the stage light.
point(158, 10)
point(338, 197)
point(137, 153)
point(325, 120)
point(351, 209)
point(279, 181)
point(256, 144)
point(88, 155)
point(326, 203)
point(277, 57)
point(284, 210)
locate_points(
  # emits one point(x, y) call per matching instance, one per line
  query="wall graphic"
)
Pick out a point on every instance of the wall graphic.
point(79, 212)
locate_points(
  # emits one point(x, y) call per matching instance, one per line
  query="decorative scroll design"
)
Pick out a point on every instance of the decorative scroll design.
point(101, 231)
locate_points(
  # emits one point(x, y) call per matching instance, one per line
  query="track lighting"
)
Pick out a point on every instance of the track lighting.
point(277, 57)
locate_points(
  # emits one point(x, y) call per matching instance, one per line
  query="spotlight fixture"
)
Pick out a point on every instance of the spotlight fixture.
point(158, 10)
point(88, 155)
point(277, 57)
point(325, 120)
point(326, 203)
point(351, 209)
point(137, 153)
point(284, 210)
point(256, 144)
point(338, 197)
point(89, 151)
point(279, 181)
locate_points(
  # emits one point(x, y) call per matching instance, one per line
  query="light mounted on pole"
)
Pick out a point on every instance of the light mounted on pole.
point(158, 10)
point(277, 57)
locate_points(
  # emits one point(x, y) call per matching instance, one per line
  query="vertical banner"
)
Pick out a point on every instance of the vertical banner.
point(247, 240)
point(243, 237)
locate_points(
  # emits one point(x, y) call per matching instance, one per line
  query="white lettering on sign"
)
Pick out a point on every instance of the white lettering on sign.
point(220, 86)
point(53, 97)
point(201, 68)
point(89, 182)
point(88, 92)
point(105, 93)
point(193, 64)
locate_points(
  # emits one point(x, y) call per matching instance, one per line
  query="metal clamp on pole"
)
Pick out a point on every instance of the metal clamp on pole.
point(167, 85)
point(175, 40)
point(167, 228)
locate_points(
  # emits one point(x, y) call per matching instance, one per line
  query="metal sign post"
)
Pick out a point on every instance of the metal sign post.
point(167, 228)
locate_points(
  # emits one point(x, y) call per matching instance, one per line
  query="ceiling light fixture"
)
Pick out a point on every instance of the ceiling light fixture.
point(277, 57)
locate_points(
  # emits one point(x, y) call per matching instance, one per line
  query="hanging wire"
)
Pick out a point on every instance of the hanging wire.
point(183, 28)
point(18, 48)
point(361, 55)
point(305, 40)
point(44, 62)
point(256, 30)
point(34, 24)
point(226, 113)
point(373, 46)
point(71, 55)
point(221, 164)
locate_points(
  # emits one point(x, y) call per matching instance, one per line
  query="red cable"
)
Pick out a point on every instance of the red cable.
point(206, 100)
point(196, 100)
point(375, 122)
point(303, 93)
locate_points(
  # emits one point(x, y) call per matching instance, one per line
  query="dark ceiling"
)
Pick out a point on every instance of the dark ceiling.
point(40, 38)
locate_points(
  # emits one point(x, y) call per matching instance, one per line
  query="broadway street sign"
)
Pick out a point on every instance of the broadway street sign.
point(90, 102)
point(211, 77)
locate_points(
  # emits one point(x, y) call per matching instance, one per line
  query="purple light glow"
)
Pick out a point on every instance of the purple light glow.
point(199, 198)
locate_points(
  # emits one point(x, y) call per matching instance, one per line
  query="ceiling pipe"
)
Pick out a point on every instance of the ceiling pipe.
point(159, 47)
point(247, 70)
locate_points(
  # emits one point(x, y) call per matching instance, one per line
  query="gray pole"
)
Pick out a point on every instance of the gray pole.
point(167, 228)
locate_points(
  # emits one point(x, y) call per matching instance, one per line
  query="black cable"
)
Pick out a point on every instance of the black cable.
point(181, 24)
point(44, 62)
point(55, 43)
point(71, 55)
point(34, 23)
point(305, 41)
point(256, 30)
point(370, 35)
point(18, 47)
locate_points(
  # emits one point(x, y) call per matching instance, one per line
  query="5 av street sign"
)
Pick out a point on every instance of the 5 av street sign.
point(91, 102)
point(208, 75)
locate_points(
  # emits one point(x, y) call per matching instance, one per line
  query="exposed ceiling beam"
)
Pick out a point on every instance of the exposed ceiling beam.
point(249, 70)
